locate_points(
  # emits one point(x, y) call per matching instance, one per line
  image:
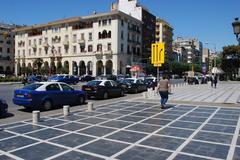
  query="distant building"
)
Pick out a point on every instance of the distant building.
point(193, 48)
point(6, 48)
point(164, 33)
point(97, 44)
point(205, 55)
point(134, 9)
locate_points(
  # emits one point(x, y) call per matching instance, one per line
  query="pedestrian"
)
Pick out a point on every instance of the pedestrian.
point(215, 80)
point(164, 88)
point(212, 80)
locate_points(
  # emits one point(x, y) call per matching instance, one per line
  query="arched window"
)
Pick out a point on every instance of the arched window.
point(109, 34)
point(104, 34)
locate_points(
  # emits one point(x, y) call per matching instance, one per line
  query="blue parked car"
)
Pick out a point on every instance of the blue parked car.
point(47, 95)
point(3, 107)
point(64, 78)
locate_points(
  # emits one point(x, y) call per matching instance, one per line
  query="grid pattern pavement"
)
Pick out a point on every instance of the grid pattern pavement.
point(127, 131)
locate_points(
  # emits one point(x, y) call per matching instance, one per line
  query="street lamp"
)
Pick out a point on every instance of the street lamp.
point(236, 29)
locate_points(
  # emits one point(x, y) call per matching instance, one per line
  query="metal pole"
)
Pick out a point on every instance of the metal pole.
point(158, 74)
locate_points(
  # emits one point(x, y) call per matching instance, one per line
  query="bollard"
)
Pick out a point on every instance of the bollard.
point(35, 117)
point(90, 106)
point(66, 110)
point(145, 94)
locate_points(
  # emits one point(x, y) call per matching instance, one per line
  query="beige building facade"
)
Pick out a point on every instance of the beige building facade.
point(97, 44)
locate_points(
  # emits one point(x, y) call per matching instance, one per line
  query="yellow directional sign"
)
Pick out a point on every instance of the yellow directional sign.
point(157, 55)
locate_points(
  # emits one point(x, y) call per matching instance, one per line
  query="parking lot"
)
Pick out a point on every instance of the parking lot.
point(127, 130)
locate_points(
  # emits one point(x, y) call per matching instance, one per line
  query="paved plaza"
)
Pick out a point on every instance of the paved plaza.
point(226, 92)
point(127, 130)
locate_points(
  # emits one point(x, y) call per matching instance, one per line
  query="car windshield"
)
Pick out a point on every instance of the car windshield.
point(94, 83)
point(128, 80)
point(33, 86)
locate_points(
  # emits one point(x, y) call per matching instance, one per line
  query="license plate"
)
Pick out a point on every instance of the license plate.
point(88, 89)
point(20, 95)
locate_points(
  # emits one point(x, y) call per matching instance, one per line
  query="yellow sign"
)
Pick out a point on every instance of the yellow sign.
point(157, 65)
point(157, 55)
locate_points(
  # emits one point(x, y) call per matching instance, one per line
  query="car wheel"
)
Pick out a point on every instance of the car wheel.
point(81, 100)
point(47, 105)
point(105, 95)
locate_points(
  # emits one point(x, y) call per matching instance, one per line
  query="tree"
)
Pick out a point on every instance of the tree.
point(38, 62)
point(231, 61)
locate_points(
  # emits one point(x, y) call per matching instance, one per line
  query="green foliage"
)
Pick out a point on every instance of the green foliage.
point(11, 79)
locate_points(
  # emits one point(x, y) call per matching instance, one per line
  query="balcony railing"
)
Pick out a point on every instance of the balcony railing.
point(108, 52)
point(66, 43)
point(81, 41)
point(5, 58)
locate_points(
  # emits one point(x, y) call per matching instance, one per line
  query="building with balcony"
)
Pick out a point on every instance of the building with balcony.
point(6, 48)
point(134, 9)
point(192, 47)
point(97, 44)
point(164, 33)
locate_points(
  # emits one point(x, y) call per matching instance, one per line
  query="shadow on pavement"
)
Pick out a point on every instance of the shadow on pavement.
point(7, 115)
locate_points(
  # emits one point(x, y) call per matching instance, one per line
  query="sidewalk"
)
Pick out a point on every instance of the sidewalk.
point(225, 93)
point(9, 83)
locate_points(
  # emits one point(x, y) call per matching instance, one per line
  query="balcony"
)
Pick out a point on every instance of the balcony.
point(81, 42)
point(66, 43)
point(45, 45)
point(108, 52)
point(5, 58)
point(34, 46)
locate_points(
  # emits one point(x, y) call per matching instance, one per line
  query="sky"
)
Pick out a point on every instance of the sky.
point(207, 20)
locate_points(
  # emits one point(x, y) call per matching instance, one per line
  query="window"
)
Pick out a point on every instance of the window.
point(99, 35)
point(74, 38)
point(82, 48)
point(66, 37)
point(46, 40)
point(108, 84)
point(99, 23)
point(122, 35)
point(104, 22)
point(74, 49)
point(109, 34)
point(90, 48)
point(29, 43)
point(24, 52)
point(40, 42)
point(109, 21)
point(18, 52)
point(34, 41)
point(53, 87)
point(90, 36)
point(109, 46)
point(82, 36)
point(104, 34)
point(122, 22)
point(40, 51)
point(66, 50)
point(0, 49)
point(121, 47)
point(29, 52)
point(59, 49)
point(99, 47)
point(66, 87)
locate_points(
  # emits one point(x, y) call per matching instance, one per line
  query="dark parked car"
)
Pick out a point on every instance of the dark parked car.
point(103, 89)
point(151, 82)
point(3, 107)
point(86, 78)
point(107, 77)
point(64, 78)
point(33, 79)
point(133, 85)
point(48, 95)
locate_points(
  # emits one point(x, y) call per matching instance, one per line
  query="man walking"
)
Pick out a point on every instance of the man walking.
point(215, 80)
point(163, 88)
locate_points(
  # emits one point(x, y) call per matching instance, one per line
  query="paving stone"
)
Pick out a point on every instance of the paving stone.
point(72, 118)
point(175, 112)
point(236, 155)
point(187, 157)
point(127, 136)
point(133, 109)
point(199, 114)
point(25, 129)
point(97, 131)
point(51, 122)
point(109, 116)
point(46, 134)
point(176, 132)
point(93, 120)
point(5, 126)
point(189, 125)
point(207, 149)
point(104, 147)
point(157, 121)
point(238, 141)
point(104, 110)
point(72, 140)
point(131, 118)
point(229, 111)
point(38, 152)
point(73, 155)
point(143, 128)
point(116, 124)
point(167, 116)
point(153, 110)
point(89, 114)
point(142, 153)
point(15, 142)
point(72, 126)
point(223, 122)
point(122, 112)
point(219, 128)
point(4, 157)
point(206, 109)
point(214, 137)
point(4, 134)
point(163, 142)
point(226, 116)
point(193, 119)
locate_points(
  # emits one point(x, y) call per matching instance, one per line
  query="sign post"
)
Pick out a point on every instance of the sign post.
point(158, 56)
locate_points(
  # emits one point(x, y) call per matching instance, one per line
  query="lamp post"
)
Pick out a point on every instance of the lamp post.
point(236, 29)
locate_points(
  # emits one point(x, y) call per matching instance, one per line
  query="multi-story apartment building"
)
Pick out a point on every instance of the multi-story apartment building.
point(6, 48)
point(96, 44)
point(164, 33)
point(193, 48)
point(133, 8)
